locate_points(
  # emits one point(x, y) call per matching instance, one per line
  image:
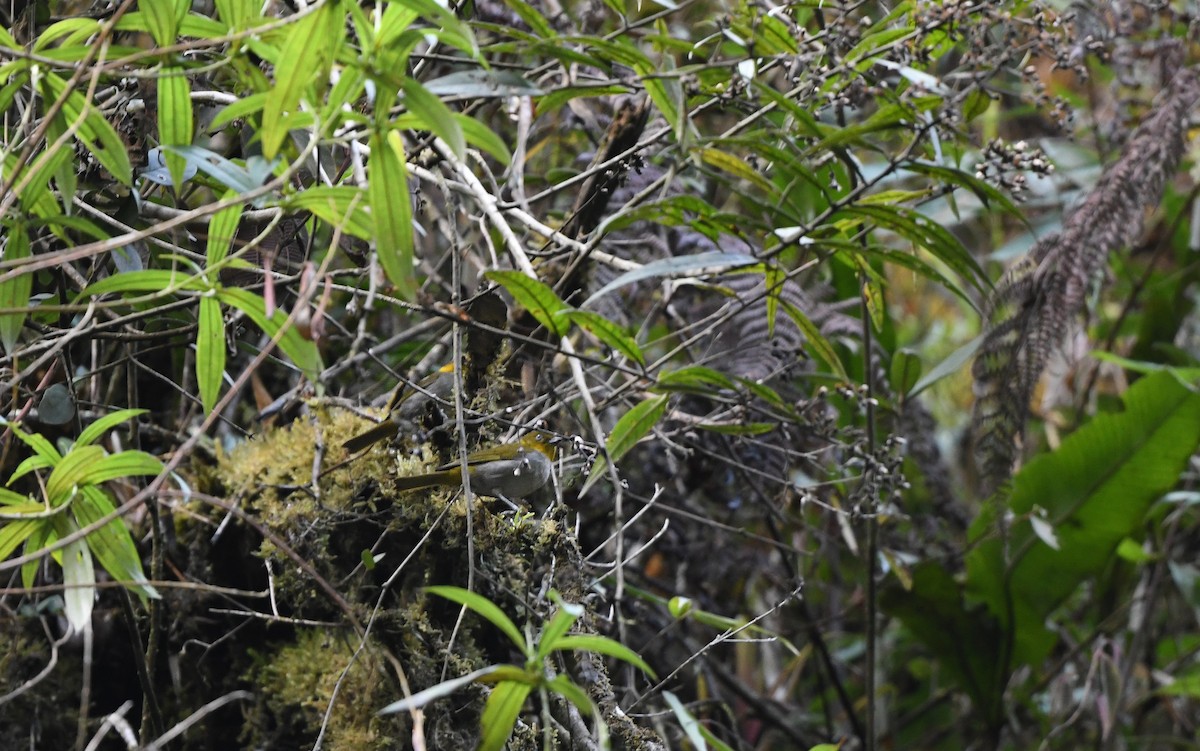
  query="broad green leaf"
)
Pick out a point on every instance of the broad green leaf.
point(14, 293)
point(483, 137)
point(905, 371)
point(500, 714)
point(70, 31)
point(175, 120)
point(483, 607)
point(210, 352)
point(1096, 490)
point(238, 14)
point(242, 108)
point(148, 280)
point(736, 166)
point(560, 623)
point(112, 543)
point(694, 379)
point(536, 297)
point(221, 231)
point(128, 463)
point(71, 472)
point(964, 639)
point(562, 685)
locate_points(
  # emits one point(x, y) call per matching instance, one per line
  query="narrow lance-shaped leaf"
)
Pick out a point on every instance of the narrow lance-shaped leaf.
point(634, 424)
point(221, 231)
point(210, 352)
point(305, 60)
point(536, 297)
point(500, 714)
point(391, 207)
point(163, 18)
point(94, 131)
point(302, 351)
point(112, 544)
point(14, 293)
point(175, 119)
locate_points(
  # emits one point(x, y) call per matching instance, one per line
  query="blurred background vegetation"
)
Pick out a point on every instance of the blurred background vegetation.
point(867, 330)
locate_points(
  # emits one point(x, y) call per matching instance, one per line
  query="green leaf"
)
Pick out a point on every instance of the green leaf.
point(605, 646)
point(634, 424)
point(303, 352)
point(338, 206)
point(222, 229)
point(128, 463)
point(112, 543)
point(815, 340)
point(606, 331)
point(13, 533)
point(175, 119)
point(905, 371)
point(694, 379)
point(435, 116)
point(966, 641)
point(484, 607)
point(102, 425)
point(483, 137)
point(162, 18)
point(391, 209)
point(242, 108)
point(1096, 490)
point(305, 60)
point(691, 726)
point(500, 714)
point(536, 297)
point(14, 293)
point(147, 280)
point(562, 685)
point(210, 352)
point(238, 14)
point(94, 131)
point(71, 472)
point(559, 625)
point(738, 167)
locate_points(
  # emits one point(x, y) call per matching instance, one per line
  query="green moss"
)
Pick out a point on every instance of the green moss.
point(296, 682)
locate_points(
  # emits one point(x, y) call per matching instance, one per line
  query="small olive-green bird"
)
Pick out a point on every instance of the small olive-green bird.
point(509, 470)
point(406, 406)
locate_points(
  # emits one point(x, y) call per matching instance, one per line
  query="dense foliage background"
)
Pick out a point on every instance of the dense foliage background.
point(867, 329)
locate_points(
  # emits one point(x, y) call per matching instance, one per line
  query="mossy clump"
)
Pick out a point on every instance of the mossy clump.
point(295, 683)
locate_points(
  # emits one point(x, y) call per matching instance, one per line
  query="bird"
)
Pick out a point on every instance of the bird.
point(507, 470)
point(406, 406)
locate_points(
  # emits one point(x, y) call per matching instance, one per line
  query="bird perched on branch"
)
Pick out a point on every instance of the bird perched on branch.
point(508, 470)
